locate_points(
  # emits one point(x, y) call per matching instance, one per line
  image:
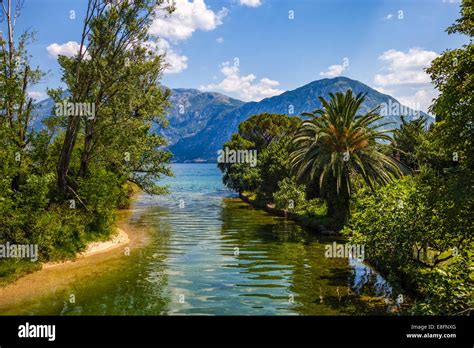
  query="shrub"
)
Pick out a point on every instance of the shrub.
point(290, 196)
point(419, 230)
point(60, 232)
point(100, 193)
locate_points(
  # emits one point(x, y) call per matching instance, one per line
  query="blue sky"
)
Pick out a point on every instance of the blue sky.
point(251, 49)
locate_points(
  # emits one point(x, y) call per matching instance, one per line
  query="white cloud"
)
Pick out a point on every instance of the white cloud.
point(251, 3)
point(405, 68)
point(404, 77)
point(189, 16)
point(36, 95)
point(186, 19)
point(245, 87)
point(68, 49)
point(421, 99)
point(176, 63)
point(220, 40)
point(333, 70)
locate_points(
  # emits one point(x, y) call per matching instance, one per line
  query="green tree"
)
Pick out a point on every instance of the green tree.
point(100, 153)
point(452, 74)
point(264, 133)
point(336, 145)
point(419, 230)
point(407, 138)
point(17, 76)
point(274, 166)
point(239, 177)
point(116, 71)
point(265, 128)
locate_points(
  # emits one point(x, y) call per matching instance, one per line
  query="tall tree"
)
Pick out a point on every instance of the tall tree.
point(117, 71)
point(16, 78)
point(337, 145)
point(79, 90)
point(452, 74)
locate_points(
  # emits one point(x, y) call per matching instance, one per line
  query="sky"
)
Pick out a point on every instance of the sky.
point(253, 49)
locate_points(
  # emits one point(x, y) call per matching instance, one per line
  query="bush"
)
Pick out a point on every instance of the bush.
point(29, 218)
point(19, 209)
point(100, 193)
point(316, 208)
point(419, 230)
point(446, 290)
point(290, 196)
point(60, 233)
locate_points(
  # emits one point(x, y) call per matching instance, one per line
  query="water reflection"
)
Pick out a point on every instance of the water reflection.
point(209, 253)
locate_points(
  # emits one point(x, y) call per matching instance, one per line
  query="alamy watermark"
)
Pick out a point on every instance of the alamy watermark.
point(19, 251)
point(37, 331)
point(397, 109)
point(237, 156)
point(67, 108)
point(353, 251)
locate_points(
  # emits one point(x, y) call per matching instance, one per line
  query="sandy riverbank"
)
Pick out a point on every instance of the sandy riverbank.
point(120, 239)
point(56, 276)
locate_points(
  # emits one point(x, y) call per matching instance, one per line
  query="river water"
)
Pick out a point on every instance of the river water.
point(211, 254)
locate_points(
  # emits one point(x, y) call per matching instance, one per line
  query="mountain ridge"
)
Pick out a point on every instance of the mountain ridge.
point(204, 145)
point(201, 122)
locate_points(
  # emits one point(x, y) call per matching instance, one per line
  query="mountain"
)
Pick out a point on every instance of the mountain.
point(204, 144)
point(201, 122)
point(41, 110)
point(192, 110)
point(189, 113)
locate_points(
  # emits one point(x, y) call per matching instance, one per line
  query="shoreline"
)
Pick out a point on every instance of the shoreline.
point(309, 223)
point(117, 239)
point(120, 238)
point(57, 276)
point(401, 281)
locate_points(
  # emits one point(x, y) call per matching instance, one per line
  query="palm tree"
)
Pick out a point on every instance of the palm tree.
point(336, 145)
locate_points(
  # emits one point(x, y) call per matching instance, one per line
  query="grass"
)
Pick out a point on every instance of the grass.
point(12, 269)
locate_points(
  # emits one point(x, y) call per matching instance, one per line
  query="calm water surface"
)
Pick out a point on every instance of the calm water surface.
point(211, 254)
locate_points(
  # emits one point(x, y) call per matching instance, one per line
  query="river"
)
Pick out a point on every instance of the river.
point(211, 254)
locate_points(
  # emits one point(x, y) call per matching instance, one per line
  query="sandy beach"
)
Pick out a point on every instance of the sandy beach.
point(54, 276)
point(120, 239)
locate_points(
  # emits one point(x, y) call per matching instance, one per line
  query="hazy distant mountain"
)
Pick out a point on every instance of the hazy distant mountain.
point(205, 144)
point(192, 110)
point(201, 122)
point(41, 110)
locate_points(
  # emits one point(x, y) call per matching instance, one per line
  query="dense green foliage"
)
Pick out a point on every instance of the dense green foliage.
point(452, 74)
point(270, 136)
point(420, 230)
point(100, 154)
point(417, 229)
point(406, 139)
point(337, 145)
point(290, 196)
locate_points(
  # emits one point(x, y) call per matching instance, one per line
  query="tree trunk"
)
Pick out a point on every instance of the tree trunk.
point(66, 153)
point(73, 122)
point(338, 205)
point(84, 168)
